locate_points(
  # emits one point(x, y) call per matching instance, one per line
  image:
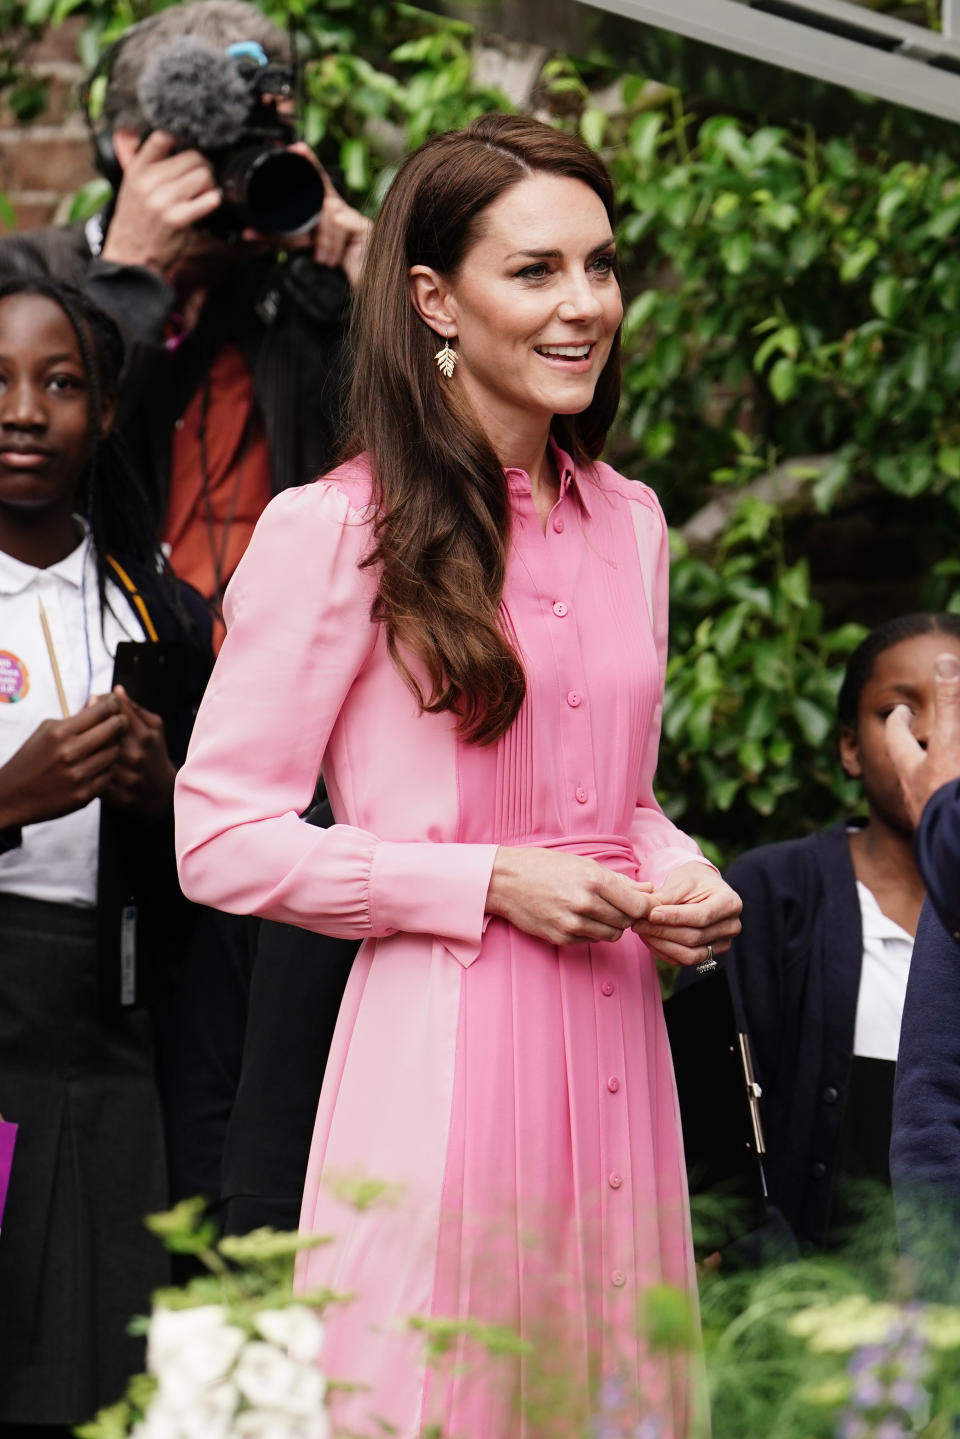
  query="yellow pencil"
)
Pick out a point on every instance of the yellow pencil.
point(48, 637)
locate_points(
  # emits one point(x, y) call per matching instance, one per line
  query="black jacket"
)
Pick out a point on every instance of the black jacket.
point(288, 317)
point(937, 847)
point(795, 976)
point(925, 1144)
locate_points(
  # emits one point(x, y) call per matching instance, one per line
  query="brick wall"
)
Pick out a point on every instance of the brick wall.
point(43, 162)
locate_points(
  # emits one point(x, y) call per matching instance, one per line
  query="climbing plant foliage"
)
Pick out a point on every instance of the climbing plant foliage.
point(790, 298)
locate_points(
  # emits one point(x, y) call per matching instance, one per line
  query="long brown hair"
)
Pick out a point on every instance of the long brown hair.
point(443, 517)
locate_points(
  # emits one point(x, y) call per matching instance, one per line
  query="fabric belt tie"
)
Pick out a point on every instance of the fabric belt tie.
point(613, 851)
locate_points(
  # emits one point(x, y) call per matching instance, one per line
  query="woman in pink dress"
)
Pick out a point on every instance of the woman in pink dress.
point(466, 624)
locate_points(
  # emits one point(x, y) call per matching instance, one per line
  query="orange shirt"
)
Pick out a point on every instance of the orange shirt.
point(210, 517)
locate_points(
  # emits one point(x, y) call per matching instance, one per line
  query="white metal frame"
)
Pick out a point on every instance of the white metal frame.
point(891, 59)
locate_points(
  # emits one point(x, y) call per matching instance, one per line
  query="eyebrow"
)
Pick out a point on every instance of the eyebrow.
point(65, 359)
point(900, 688)
point(557, 254)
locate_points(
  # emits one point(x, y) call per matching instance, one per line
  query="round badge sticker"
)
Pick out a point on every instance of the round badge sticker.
point(14, 679)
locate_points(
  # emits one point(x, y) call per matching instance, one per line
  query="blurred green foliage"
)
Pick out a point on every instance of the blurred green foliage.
point(798, 298)
point(787, 296)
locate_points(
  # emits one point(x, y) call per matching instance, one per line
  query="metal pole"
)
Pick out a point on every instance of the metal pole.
point(950, 18)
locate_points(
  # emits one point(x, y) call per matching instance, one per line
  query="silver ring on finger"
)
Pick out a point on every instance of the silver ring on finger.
point(708, 965)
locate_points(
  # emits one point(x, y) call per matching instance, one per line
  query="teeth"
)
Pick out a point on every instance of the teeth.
point(566, 352)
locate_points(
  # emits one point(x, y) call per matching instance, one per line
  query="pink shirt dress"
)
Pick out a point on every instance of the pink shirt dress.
point(516, 1098)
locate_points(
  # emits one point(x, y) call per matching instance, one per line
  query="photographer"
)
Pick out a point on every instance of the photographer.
point(236, 337)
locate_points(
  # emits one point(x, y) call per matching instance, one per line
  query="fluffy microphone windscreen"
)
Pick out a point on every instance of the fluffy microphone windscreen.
point(194, 91)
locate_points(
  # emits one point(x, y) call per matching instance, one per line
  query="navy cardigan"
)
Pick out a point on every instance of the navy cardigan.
point(795, 976)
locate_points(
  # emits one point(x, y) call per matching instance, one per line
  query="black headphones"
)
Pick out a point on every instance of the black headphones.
point(101, 139)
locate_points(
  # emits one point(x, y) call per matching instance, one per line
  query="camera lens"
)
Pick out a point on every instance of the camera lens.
point(272, 190)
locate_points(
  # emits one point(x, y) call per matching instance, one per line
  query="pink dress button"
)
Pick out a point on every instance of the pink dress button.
point(615, 1181)
point(573, 699)
point(558, 524)
point(580, 794)
point(613, 1084)
point(559, 609)
point(606, 987)
point(618, 1279)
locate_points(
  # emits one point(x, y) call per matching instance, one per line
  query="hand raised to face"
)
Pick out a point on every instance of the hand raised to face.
point(162, 197)
point(923, 769)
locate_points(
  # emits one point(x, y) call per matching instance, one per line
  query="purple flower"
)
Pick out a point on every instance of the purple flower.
point(649, 1428)
point(616, 1416)
point(906, 1395)
point(891, 1428)
point(868, 1391)
point(867, 1357)
point(613, 1399)
point(605, 1426)
point(854, 1426)
point(913, 1357)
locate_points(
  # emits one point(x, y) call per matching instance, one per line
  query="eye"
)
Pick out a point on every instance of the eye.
point(63, 383)
point(539, 271)
point(604, 264)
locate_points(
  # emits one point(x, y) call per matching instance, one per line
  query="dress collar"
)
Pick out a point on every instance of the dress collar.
point(579, 484)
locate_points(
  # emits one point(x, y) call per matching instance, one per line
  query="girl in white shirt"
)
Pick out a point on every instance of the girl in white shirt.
point(80, 761)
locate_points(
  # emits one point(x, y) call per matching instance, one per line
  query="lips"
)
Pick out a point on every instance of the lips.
point(565, 352)
point(24, 457)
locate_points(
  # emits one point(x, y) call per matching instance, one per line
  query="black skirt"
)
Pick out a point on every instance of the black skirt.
point(76, 1263)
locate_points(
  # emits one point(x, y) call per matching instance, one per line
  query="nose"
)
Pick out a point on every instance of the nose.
point(22, 405)
point(580, 303)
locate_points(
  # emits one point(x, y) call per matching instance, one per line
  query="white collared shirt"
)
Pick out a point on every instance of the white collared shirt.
point(57, 860)
point(887, 950)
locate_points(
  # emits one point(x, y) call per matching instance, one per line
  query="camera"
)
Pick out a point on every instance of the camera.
point(230, 106)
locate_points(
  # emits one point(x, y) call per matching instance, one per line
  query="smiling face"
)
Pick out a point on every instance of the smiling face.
point(44, 406)
point(902, 674)
point(534, 305)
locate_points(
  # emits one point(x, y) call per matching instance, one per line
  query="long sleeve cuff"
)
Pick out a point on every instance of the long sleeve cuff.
point(436, 889)
point(656, 864)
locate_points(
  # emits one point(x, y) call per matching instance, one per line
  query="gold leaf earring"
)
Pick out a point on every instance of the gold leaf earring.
point(446, 360)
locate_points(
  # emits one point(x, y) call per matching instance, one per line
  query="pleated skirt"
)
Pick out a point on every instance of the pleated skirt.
point(76, 1262)
point(558, 1202)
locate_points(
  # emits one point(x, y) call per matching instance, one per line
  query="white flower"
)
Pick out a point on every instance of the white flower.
point(158, 1424)
point(295, 1329)
point(305, 1391)
point(264, 1424)
point(272, 1424)
point(189, 1348)
point(265, 1376)
point(211, 1413)
point(207, 1416)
